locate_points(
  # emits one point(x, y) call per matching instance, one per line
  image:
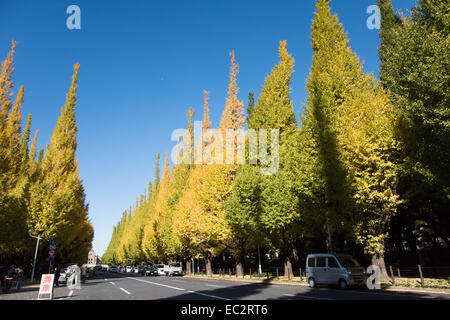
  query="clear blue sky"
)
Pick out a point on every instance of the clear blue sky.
point(143, 63)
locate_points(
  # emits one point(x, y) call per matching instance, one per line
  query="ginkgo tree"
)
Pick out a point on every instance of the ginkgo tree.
point(47, 195)
point(350, 123)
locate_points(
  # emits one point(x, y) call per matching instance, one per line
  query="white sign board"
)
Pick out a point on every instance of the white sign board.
point(46, 287)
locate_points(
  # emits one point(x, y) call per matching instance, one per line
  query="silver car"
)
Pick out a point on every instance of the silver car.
point(339, 269)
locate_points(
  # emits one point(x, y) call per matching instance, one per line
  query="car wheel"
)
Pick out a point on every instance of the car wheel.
point(312, 283)
point(343, 284)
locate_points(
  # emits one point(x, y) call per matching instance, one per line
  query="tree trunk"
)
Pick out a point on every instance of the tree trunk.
point(239, 268)
point(208, 267)
point(288, 268)
point(188, 267)
point(330, 240)
point(378, 260)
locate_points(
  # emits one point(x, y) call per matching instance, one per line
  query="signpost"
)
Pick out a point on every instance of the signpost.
point(51, 255)
point(46, 287)
point(53, 245)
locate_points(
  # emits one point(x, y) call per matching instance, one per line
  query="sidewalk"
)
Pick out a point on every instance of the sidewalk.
point(27, 292)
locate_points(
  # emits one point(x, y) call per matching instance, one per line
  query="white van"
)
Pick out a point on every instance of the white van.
point(339, 269)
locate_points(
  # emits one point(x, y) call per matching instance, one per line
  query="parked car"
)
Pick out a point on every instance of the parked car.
point(64, 272)
point(173, 269)
point(150, 271)
point(128, 269)
point(340, 269)
point(98, 270)
point(142, 270)
point(113, 269)
point(159, 270)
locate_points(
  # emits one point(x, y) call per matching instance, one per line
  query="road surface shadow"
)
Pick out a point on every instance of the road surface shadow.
point(265, 292)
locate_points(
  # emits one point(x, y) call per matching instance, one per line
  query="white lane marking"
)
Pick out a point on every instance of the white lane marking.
point(125, 291)
point(213, 285)
point(62, 298)
point(106, 279)
point(112, 283)
point(181, 289)
point(208, 295)
point(306, 297)
point(158, 284)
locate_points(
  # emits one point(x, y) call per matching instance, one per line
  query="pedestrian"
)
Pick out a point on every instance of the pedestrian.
point(57, 273)
point(19, 276)
point(3, 273)
point(83, 274)
point(9, 278)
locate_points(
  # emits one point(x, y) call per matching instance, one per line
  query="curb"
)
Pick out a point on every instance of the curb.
point(304, 284)
point(419, 290)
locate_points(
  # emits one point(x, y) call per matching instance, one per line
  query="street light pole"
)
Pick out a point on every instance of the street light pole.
point(35, 255)
point(259, 261)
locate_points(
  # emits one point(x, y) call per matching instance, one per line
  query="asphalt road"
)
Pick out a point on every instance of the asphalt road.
point(137, 287)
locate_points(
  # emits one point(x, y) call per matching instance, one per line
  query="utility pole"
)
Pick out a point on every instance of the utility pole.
point(259, 261)
point(330, 244)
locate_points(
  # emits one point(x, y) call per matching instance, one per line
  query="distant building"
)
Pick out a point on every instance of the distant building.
point(93, 259)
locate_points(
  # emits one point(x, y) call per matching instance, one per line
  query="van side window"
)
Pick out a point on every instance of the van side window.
point(332, 263)
point(311, 262)
point(320, 262)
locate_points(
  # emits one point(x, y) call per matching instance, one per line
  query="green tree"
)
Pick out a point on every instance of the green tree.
point(350, 122)
point(251, 104)
point(274, 110)
point(415, 68)
point(243, 214)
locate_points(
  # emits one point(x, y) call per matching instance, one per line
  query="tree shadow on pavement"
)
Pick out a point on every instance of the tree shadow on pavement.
point(262, 291)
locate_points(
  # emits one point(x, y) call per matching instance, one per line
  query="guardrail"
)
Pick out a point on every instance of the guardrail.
point(419, 271)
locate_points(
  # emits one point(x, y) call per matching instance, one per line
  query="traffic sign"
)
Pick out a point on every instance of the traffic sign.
point(46, 287)
point(53, 245)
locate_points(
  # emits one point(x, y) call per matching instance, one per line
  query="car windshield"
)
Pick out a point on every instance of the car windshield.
point(347, 261)
point(175, 265)
point(159, 266)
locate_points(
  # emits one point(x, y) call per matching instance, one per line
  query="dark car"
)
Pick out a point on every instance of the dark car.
point(98, 270)
point(150, 271)
point(113, 269)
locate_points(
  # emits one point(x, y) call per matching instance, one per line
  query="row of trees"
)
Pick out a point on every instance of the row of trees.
point(366, 165)
point(39, 191)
